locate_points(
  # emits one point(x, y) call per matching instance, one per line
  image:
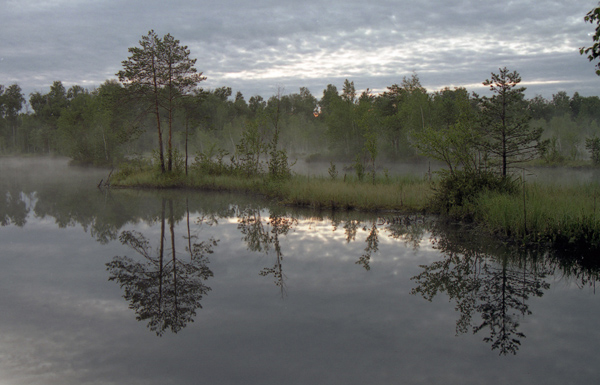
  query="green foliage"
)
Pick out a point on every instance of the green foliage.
point(593, 146)
point(359, 168)
point(205, 163)
point(178, 168)
point(368, 123)
point(401, 109)
point(178, 162)
point(248, 152)
point(568, 137)
point(338, 112)
point(160, 71)
point(333, 173)
point(593, 52)
point(455, 192)
point(455, 146)
point(279, 167)
point(132, 166)
point(457, 142)
point(157, 161)
point(96, 126)
point(549, 214)
point(101, 126)
point(551, 151)
point(566, 122)
point(11, 102)
point(507, 136)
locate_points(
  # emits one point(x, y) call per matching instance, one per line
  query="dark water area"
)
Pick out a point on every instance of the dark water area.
point(181, 287)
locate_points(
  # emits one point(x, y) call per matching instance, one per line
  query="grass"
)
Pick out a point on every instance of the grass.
point(402, 193)
point(407, 193)
point(564, 216)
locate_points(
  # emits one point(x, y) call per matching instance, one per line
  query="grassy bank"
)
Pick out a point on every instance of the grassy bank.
point(406, 193)
point(565, 217)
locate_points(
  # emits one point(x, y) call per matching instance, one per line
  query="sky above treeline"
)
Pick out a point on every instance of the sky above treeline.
point(260, 46)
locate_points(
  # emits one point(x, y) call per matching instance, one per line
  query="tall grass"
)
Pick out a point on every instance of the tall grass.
point(401, 193)
point(564, 216)
point(405, 193)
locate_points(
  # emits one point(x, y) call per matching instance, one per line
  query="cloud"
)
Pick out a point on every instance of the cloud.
point(255, 46)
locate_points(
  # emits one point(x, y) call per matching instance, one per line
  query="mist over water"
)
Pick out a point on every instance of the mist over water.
point(420, 168)
point(93, 293)
point(423, 168)
point(562, 175)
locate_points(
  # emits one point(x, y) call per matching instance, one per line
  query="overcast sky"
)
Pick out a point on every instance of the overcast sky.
point(260, 45)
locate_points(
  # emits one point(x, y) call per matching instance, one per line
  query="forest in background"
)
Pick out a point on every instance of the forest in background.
point(105, 125)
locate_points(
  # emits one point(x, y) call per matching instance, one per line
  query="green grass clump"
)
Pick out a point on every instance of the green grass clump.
point(564, 216)
point(405, 194)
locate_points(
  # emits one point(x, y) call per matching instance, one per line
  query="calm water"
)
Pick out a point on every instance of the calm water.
point(91, 292)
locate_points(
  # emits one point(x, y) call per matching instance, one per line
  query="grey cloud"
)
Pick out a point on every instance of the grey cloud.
point(252, 46)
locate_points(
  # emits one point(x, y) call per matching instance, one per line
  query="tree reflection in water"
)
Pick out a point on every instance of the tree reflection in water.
point(409, 228)
point(263, 237)
point(372, 246)
point(163, 291)
point(14, 205)
point(497, 286)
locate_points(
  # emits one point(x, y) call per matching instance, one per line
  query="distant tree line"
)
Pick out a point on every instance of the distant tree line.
point(158, 96)
point(102, 125)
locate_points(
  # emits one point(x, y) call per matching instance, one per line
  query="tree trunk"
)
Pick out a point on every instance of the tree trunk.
point(157, 112)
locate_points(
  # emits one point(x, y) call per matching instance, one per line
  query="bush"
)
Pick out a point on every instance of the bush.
point(456, 191)
point(205, 163)
point(593, 146)
point(279, 167)
point(359, 168)
point(133, 165)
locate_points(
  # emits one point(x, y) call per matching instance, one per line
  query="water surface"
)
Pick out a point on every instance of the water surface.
point(92, 292)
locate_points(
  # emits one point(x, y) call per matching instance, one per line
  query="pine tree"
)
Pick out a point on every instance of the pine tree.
point(162, 71)
point(508, 138)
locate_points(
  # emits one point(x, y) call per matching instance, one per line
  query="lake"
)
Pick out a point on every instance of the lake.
point(115, 286)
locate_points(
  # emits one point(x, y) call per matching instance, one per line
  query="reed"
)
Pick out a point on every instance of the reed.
point(405, 193)
point(564, 216)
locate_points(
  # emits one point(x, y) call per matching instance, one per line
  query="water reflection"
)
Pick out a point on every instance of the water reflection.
point(407, 228)
point(264, 237)
point(491, 285)
point(163, 288)
point(583, 269)
point(13, 207)
point(494, 283)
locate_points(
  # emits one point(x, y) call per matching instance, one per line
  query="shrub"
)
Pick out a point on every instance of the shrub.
point(359, 168)
point(593, 146)
point(133, 165)
point(205, 163)
point(333, 173)
point(279, 167)
point(456, 191)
